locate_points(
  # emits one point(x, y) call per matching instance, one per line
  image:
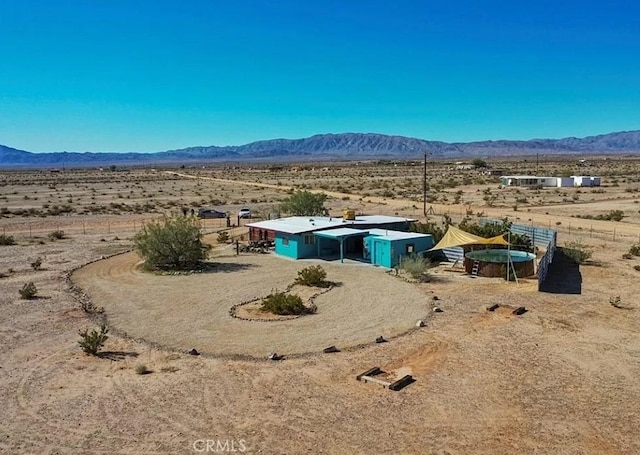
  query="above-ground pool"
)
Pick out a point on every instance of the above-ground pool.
point(493, 262)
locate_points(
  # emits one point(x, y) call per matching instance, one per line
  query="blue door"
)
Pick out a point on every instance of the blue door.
point(380, 253)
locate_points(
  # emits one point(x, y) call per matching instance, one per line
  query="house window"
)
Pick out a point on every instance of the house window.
point(410, 248)
point(285, 241)
point(309, 239)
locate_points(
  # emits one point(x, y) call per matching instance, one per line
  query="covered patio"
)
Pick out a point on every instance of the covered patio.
point(347, 239)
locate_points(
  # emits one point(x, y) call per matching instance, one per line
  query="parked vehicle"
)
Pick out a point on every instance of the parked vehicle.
point(211, 213)
point(244, 213)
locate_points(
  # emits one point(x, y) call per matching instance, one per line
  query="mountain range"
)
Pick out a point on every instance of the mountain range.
point(326, 147)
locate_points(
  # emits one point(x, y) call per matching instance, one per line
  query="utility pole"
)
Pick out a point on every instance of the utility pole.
point(424, 187)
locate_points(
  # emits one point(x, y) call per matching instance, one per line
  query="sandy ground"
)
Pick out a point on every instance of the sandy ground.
point(193, 310)
point(562, 378)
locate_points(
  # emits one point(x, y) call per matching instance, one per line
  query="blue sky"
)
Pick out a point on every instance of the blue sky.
point(142, 75)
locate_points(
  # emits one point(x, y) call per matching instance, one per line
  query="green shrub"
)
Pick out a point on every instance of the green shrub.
point(92, 341)
point(416, 266)
point(578, 251)
point(284, 304)
point(223, 237)
point(174, 243)
point(313, 275)
point(56, 235)
point(28, 291)
point(6, 240)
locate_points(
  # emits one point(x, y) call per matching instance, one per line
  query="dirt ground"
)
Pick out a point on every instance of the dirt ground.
point(193, 311)
point(561, 378)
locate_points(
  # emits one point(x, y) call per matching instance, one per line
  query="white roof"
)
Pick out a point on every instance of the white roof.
point(300, 224)
point(386, 233)
point(520, 177)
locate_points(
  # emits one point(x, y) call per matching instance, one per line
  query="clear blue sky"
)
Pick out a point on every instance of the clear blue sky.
point(151, 75)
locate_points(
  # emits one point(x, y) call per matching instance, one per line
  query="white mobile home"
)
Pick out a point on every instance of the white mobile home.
point(548, 182)
point(585, 180)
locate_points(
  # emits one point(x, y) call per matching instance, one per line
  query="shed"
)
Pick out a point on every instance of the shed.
point(386, 248)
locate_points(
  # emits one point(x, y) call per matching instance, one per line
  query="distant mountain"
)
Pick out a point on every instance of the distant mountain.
point(333, 147)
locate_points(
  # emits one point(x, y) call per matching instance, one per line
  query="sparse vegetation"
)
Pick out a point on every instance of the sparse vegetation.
point(7, 240)
point(29, 291)
point(56, 235)
point(92, 341)
point(635, 249)
point(416, 266)
point(141, 369)
point(313, 275)
point(578, 251)
point(283, 303)
point(616, 301)
point(36, 264)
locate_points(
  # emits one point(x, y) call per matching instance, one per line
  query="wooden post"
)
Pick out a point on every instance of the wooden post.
point(84, 227)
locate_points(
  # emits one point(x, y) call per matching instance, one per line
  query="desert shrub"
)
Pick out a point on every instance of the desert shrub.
point(613, 215)
point(635, 250)
point(578, 251)
point(28, 291)
point(56, 235)
point(616, 301)
point(6, 240)
point(223, 237)
point(428, 228)
point(284, 304)
point(142, 369)
point(36, 264)
point(92, 341)
point(313, 275)
point(174, 243)
point(416, 266)
point(304, 203)
point(636, 268)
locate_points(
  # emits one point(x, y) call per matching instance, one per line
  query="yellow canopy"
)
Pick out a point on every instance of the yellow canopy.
point(458, 237)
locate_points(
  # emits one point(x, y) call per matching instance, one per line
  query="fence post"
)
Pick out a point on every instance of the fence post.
point(108, 227)
point(84, 227)
point(30, 230)
point(614, 234)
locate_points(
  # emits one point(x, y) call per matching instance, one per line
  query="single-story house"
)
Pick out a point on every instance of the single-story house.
point(559, 182)
point(585, 180)
point(376, 239)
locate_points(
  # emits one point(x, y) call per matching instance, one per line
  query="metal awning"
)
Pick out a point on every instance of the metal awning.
point(340, 233)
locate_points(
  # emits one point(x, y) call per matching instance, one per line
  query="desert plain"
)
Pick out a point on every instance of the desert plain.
point(561, 378)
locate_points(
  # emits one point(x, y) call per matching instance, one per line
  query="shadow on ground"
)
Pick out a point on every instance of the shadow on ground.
point(116, 355)
point(564, 275)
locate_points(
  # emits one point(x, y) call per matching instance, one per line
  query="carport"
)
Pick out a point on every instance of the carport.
point(339, 235)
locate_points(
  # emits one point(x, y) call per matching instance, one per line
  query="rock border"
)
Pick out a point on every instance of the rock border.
point(310, 303)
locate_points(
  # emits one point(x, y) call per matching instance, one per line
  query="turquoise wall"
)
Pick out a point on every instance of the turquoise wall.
point(296, 247)
point(387, 253)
